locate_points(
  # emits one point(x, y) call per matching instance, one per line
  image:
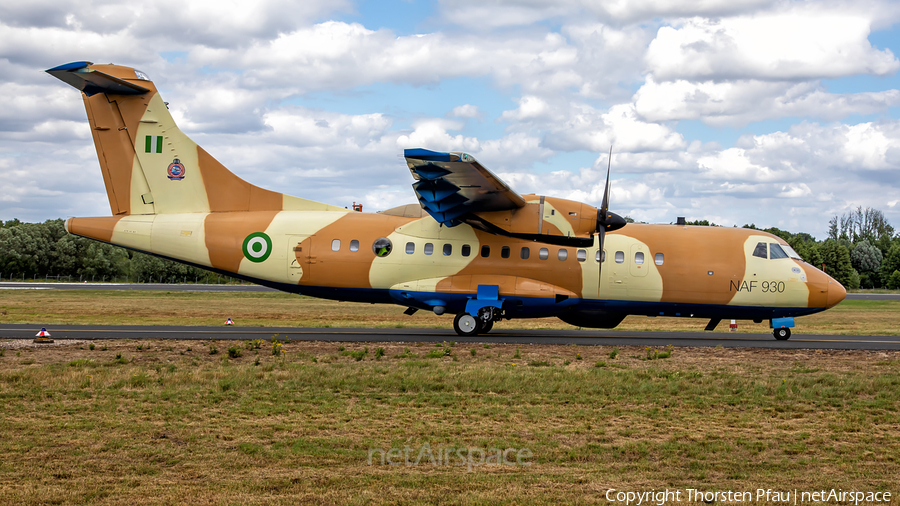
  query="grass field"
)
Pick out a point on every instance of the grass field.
point(219, 422)
point(49, 307)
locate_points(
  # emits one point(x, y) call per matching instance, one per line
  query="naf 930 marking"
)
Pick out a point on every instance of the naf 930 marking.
point(471, 247)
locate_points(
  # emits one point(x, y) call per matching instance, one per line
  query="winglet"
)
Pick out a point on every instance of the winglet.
point(81, 76)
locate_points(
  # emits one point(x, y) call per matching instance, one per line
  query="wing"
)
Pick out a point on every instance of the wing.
point(452, 185)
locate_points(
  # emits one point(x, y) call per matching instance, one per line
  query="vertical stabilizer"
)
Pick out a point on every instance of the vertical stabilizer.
point(149, 166)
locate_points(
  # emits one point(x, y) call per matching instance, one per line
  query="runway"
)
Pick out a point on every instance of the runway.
point(40, 285)
point(498, 336)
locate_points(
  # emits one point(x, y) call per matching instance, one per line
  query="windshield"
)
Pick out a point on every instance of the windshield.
point(790, 251)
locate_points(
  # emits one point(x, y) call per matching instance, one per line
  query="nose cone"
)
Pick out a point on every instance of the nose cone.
point(836, 293)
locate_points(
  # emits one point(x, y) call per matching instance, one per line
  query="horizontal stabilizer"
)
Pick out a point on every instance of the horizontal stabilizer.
point(91, 81)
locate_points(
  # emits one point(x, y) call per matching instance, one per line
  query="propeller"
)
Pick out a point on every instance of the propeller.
point(606, 221)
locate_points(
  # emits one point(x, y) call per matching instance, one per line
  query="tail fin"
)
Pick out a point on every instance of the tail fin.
point(150, 166)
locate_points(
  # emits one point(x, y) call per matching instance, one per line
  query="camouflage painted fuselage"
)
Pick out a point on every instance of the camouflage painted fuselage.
point(172, 199)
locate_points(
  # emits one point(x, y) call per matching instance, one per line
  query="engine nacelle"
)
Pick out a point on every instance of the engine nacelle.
point(546, 219)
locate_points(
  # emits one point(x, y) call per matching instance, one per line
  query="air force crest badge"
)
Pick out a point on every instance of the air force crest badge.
point(176, 170)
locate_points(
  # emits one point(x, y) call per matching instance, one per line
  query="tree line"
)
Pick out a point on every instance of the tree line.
point(41, 250)
point(862, 251)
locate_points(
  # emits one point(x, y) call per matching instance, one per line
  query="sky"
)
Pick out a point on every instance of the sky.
point(778, 113)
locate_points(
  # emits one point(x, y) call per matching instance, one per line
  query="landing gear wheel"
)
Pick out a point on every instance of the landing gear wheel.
point(466, 325)
point(782, 334)
point(486, 327)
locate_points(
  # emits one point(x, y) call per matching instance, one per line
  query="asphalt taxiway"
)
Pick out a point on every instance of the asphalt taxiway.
point(498, 336)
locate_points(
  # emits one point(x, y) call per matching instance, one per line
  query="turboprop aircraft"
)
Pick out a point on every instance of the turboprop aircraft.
point(471, 247)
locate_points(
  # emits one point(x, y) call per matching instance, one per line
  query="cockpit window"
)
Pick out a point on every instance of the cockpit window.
point(790, 252)
point(761, 250)
point(776, 251)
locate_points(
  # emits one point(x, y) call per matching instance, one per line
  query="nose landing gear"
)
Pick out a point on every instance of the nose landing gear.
point(782, 334)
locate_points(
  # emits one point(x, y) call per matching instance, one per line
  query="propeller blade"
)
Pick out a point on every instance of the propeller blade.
point(601, 221)
point(602, 235)
point(604, 207)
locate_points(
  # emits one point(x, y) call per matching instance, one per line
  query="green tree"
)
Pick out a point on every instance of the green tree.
point(890, 264)
point(865, 257)
point(805, 245)
point(836, 258)
point(894, 280)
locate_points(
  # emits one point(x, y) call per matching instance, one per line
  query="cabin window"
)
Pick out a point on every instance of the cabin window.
point(382, 247)
point(775, 251)
point(485, 251)
point(563, 254)
point(581, 255)
point(525, 253)
point(466, 250)
point(336, 245)
point(760, 250)
point(354, 245)
point(448, 250)
point(543, 253)
point(600, 257)
point(504, 252)
point(410, 248)
point(639, 258)
point(620, 257)
point(659, 258)
point(429, 248)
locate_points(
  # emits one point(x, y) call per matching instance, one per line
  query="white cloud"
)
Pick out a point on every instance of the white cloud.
point(466, 111)
point(315, 107)
point(737, 103)
point(807, 42)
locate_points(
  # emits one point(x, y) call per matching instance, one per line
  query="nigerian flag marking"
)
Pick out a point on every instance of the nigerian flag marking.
point(153, 144)
point(257, 247)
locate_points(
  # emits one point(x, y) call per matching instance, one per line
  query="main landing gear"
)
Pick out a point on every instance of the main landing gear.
point(467, 325)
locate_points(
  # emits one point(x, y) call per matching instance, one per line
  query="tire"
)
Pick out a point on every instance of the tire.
point(486, 327)
point(466, 325)
point(782, 334)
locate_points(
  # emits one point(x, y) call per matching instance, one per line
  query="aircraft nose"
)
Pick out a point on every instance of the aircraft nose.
point(836, 293)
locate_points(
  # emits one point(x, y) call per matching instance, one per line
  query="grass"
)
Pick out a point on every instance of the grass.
point(82, 426)
point(281, 309)
point(153, 422)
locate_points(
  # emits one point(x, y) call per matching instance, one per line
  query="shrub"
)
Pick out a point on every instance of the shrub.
point(234, 352)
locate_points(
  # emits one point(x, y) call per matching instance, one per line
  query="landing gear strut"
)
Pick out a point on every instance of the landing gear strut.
point(782, 334)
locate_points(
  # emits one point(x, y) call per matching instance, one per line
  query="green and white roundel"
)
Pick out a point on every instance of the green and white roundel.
point(257, 247)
